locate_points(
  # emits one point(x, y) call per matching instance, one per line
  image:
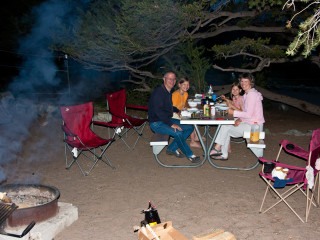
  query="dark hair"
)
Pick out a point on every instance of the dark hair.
point(235, 84)
point(182, 80)
point(248, 76)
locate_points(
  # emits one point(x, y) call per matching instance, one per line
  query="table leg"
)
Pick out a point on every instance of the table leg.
point(156, 153)
point(220, 167)
point(204, 146)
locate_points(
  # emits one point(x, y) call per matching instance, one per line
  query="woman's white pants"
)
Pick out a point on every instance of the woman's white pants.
point(227, 131)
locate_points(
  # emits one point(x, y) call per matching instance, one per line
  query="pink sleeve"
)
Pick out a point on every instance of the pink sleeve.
point(248, 107)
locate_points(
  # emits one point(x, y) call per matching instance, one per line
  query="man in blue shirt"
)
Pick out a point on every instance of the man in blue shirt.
point(160, 112)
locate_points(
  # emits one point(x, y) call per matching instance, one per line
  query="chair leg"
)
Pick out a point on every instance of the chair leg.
point(120, 136)
point(317, 188)
point(74, 159)
point(139, 133)
point(265, 194)
point(83, 172)
point(312, 197)
point(308, 205)
point(282, 197)
point(100, 157)
point(95, 158)
point(107, 159)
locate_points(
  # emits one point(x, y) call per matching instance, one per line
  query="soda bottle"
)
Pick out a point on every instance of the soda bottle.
point(255, 132)
point(212, 110)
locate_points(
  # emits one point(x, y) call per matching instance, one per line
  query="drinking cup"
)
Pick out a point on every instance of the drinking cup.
point(224, 112)
point(268, 167)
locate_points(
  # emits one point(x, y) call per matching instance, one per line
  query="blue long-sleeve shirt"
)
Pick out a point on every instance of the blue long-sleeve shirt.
point(160, 106)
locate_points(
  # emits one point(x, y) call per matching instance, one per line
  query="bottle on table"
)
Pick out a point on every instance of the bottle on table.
point(210, 90)
point(255, 132)
point(203, 100)
point(206, 110)
point(212, 109)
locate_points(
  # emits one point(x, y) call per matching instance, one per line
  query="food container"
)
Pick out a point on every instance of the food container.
point(192, 104)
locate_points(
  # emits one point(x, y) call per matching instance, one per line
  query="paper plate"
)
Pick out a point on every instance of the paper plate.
point(220, 104)
point(193, 109)
point(223, 108)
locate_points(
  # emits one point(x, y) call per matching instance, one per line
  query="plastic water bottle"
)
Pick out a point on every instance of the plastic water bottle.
point(210, 90)
point(255, 132)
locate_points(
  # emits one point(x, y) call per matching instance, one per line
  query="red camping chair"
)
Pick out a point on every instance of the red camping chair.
point(121, 123)
point(79, 138)
point(296, 180)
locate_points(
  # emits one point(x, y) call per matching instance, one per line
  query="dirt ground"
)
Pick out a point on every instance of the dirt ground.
point(195, 200)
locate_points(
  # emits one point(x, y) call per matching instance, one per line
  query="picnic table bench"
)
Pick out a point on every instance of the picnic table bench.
point(158, 142)
point(256, 147)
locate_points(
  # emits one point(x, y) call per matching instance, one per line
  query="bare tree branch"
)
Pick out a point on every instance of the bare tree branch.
point(264, 62)
point(237, 28)
point(294, 102)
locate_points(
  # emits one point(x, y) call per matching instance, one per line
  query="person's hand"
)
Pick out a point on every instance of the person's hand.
point(223, 97)
point(237, 122)
point(230, 111)
point(175, 127)
point(230, 104)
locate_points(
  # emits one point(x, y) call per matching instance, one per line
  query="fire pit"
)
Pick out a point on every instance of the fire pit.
point(36, 202)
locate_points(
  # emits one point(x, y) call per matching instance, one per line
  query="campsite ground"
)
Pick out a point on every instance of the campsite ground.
point(195, 200)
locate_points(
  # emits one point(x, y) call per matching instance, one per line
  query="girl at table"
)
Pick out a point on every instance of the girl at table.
point(236, 102)
point(252, 112)
point(179, 100)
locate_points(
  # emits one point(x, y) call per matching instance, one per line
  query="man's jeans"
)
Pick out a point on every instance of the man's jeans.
point(180, 137)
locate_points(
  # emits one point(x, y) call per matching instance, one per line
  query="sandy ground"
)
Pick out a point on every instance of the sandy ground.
point(195, 200)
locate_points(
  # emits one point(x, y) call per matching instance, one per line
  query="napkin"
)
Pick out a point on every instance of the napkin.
point(280, 183)
point(185, 114)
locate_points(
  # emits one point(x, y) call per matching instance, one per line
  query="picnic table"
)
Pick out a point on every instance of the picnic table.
point(217, 120)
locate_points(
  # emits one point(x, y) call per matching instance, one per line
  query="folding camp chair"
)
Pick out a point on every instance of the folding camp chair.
point(80, 139)
point(299, 179)
point(121, 123)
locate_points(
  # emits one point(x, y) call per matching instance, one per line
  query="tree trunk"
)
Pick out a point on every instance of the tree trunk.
point(297, 103)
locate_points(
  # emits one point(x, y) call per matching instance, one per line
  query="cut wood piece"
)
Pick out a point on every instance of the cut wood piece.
point(224, 236)
point(212, 233)
point(215, 234)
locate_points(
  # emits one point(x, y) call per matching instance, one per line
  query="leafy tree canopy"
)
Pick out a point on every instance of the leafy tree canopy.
point(234, 36)
point(130, 35)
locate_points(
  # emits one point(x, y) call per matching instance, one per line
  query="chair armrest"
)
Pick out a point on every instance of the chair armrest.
point(137, 107)
point(67, 131)
point(117, 115)
point(263, 160)
point(98, 122)
point(294, 149)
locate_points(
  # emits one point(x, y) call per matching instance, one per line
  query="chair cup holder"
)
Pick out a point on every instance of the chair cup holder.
point(268, 167)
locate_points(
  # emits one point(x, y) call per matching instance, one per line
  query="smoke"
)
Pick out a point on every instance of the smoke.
point(38, 74)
